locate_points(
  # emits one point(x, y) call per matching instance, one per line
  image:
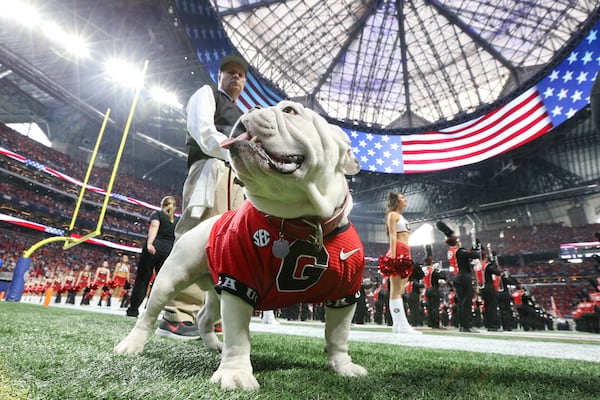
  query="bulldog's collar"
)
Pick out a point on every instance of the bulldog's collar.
point(310, 229)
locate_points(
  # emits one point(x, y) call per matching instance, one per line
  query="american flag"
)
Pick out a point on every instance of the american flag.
point(535, 112)
point(555, 99)
point(510, 126)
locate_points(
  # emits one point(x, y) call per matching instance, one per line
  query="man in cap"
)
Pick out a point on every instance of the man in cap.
point(209, 188)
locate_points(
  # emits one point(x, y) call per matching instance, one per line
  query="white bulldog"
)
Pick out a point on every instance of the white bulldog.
point(290, 242)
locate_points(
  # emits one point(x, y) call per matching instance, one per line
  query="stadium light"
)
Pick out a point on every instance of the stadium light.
point(20, 12)
point(163, 96)
point(71, 43)
point(124, 73)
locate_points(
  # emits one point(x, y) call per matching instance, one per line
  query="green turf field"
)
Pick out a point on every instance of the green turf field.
point(60, 353)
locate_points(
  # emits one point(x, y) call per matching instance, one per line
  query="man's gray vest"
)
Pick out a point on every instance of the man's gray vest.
point(226, 115)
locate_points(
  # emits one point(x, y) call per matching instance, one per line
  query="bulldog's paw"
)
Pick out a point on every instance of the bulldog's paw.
point(343, 365)
point(350, 369)
point(212, 342)
point(235, 379)
point(132, 344)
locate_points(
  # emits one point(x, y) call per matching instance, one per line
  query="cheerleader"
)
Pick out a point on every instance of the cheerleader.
point(396, 265)
point(102, 284)
point(69, 287)
point(83, 283)
point(121, 277)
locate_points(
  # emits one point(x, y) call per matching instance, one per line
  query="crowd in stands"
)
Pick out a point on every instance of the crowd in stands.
point(100, 177)
point(33, 195)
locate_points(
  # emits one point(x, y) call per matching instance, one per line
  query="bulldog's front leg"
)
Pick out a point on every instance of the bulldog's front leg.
point(186, 264)
point(208, 316)
point(235, 369)
point(337, 330)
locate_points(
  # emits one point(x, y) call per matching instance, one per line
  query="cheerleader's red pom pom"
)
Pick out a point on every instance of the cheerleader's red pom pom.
point(401, 266)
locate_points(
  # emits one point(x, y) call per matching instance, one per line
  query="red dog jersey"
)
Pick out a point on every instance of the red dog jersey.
point(241, 260)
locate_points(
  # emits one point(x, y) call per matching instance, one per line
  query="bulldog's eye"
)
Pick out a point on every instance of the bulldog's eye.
point(290, 110)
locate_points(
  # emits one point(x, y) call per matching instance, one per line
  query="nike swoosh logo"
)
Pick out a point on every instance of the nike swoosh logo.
point(345, 256)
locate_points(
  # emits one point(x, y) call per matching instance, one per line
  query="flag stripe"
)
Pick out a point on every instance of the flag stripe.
point(501, 130)
point(482, 143)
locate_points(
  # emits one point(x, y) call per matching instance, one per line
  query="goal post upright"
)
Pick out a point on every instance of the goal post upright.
point(15, 290)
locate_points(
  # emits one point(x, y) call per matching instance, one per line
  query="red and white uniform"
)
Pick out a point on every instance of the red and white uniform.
point(452, 260)
point(240, 258)
point(427, 278)
point(479, 270)
point(498, 283)
point(102, 279)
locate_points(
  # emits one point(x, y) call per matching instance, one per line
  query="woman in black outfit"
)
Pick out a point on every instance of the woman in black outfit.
point(158, 245)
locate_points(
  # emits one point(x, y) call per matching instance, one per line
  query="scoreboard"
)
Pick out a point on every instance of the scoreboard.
point(580, 251)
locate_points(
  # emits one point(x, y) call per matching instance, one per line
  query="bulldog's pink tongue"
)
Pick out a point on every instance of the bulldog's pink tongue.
point(229, 141)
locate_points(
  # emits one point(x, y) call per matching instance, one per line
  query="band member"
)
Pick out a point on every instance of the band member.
point(463, 284)
point(433, 276)
point(489, 293)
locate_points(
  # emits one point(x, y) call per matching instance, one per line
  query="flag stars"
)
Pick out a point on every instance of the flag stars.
point(553, 76)
point(563, 93)
point(549, 92)
point(587, 57)
point(571, 112)
point(573, 57)
point(576, 96)
point(387, 154)
point(557, 110)
point(568, 76)
point(378, 145)
point(592, 36)
point(395, 147)
point(582, 77)
point(362, 143)
point(370, 152)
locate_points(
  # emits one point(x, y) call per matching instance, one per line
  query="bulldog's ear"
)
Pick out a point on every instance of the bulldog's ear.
point(351, 166)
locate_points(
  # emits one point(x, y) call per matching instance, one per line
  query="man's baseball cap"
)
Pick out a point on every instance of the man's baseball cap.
point(232, 58)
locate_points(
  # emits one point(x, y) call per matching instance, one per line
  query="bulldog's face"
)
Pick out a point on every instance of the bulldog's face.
point(292, 162)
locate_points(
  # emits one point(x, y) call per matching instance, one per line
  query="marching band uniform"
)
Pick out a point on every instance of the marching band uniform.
point(463, 284)
point(432, 288)
point(434, 296)
point(505, 304)
point(490, 297)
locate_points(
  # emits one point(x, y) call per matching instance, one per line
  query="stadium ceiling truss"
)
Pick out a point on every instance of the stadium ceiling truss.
point(398, 66)
point(401, 65)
